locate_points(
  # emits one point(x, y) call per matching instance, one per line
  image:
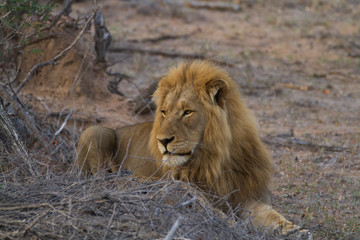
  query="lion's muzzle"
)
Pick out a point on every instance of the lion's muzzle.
point(174, 154)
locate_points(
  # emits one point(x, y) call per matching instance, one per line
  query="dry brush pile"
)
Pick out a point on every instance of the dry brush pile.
point(111, 207)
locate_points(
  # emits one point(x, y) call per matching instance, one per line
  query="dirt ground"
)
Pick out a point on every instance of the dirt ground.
point(297, 63)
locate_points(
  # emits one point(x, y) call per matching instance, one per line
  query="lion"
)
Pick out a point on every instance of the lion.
point(202, 133)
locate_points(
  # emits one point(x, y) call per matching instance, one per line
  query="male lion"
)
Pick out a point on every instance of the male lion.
point(202, 132)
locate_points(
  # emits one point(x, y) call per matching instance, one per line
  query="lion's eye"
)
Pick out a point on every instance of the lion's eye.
point(187, 113)
point(163, 113)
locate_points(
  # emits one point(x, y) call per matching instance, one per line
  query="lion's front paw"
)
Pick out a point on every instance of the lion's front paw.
point(304, 234)
point(293, 231)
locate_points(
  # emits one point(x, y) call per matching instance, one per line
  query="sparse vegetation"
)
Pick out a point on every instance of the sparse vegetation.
point(19, 20)
point(296, 61)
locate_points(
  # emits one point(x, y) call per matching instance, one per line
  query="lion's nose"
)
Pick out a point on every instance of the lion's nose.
point(166, 141)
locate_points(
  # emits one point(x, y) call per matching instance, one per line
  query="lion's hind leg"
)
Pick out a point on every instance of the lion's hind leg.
point(95, 150)
point(265, 218)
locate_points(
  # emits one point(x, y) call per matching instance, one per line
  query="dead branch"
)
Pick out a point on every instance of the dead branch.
point(102, 37)
point(113, 84)
point(220, 6)
point(78, 118)
point(57, 57)
point(166, 53)
point(319, 146)
point(155, 52)
point(308, 145)
point(159, 39)
point(57, 114)
point(143, 103)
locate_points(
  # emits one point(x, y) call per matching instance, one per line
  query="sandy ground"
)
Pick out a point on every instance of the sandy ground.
point(297, 63)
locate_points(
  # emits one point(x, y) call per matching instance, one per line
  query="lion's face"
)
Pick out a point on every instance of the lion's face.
point(191, 105)
point(181, 128)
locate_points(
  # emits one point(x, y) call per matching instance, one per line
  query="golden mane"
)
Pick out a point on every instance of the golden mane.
point(233, 158)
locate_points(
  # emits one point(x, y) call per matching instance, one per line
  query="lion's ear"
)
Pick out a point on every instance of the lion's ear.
point(217, 90)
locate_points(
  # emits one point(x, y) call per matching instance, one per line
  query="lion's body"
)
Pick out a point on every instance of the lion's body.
point(202, 132)
point(126, 147)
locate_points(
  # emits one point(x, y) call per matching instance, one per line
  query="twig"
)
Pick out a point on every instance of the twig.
point(118, 75)
point(80, 73)
point(65, 9)
point(25, 206)
point(111, 218)
point(64, 123)
point(171, 233)
point(113, 84)
point(57, 57)
point(126, 154)
point(33, 223)
point(6, 14)
point(44, 37)
point(51, 24)
point(189, 201)
point(143, 102)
